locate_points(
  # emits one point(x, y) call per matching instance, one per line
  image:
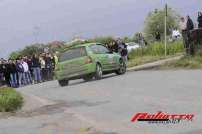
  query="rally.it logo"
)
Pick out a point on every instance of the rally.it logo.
point(161, 117)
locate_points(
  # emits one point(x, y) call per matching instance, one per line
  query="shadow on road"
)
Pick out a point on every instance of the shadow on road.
point(82, 81)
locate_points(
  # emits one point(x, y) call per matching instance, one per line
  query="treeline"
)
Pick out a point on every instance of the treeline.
point(59, 46)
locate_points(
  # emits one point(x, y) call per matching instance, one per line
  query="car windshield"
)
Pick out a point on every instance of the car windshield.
point(73, 53)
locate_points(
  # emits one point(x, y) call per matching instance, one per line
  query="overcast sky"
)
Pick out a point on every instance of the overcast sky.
point(24, 22)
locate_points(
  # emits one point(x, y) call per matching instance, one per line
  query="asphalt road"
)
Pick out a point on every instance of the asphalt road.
point(109, 104)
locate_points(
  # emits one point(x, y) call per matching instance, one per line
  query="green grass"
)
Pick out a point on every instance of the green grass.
point(187, 62)
point(154, 52)
point(10, 100)
point(158, 49)
point(142, 60)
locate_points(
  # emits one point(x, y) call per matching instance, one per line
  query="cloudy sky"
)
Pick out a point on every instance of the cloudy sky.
point(24, 22)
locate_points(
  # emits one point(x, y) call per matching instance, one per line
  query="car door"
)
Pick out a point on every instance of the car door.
point(102, 55)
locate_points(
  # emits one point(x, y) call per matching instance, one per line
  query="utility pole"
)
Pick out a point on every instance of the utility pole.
point(165, 28)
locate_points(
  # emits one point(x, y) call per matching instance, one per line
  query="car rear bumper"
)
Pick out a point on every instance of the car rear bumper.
point(76, 73)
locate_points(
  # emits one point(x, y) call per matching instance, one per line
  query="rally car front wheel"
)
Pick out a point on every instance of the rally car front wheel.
point(99, 72)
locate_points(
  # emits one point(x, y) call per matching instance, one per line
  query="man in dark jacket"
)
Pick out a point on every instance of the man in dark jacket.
point(115, 46)
point(20, 71)
point(199, 20)
point(48, 66)
point(190, 24)
point(1, 72)
point(123, 50)
point(4, 72)
point(13, 73)
point(36, 68)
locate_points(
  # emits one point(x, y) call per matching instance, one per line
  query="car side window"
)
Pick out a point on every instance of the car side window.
point(94, 49)
point(99, 49)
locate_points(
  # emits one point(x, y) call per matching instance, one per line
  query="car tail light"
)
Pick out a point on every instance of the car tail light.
point(88, 60)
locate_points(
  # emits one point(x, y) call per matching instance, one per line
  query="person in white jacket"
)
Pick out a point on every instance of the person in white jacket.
point(27, 74)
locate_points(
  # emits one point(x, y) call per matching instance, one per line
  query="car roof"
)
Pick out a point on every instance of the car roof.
point(80, 45)
point(84, 45)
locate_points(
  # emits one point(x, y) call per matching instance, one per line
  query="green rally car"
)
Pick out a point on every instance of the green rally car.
point(88, 61)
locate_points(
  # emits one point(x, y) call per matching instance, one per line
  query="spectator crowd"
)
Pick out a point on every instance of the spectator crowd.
point(27, 70)
point(186, 25)
point(119, 46)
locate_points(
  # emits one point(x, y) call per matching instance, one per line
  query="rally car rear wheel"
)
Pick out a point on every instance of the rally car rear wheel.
point(63, 83)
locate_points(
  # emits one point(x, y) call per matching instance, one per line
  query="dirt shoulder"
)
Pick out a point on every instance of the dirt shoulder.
point(57, 119)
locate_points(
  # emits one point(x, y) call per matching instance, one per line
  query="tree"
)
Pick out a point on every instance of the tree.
point(33, 49)
point(14, 55)
point(155, 23)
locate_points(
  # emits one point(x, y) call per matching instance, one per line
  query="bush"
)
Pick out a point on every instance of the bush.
point(158, 49)
point(10, 100)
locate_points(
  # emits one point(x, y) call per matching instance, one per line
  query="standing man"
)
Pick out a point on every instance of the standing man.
point(115, 47)
point(158, 36)
point(7, 72)
point(183, 28)
point(13, 74)
point(141, 40)
point(43, 70)
point(27, 74)
point(48, 66)
point(1, 72)
point(55, 60)
point(36, 68)
point(20, 72)
point(199, 20)
point(190, 24)
point(29, 62)
point(123, 50)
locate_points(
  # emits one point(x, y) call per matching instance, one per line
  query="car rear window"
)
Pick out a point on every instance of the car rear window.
point(73, 53)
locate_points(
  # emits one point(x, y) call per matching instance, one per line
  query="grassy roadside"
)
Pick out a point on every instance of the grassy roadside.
point(154, 52)
point(187, 62)
point(147, 59)
point(10, 100)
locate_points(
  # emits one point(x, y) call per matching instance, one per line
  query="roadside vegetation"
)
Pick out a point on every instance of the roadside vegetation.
point(154, 52)
point(10, 100)
point(187, 62)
